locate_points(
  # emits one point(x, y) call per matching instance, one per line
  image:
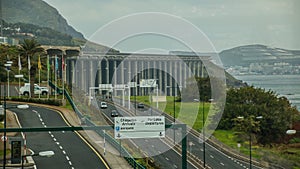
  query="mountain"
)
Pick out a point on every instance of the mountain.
point(249, 54)
point(36, 12)
point(260, 59)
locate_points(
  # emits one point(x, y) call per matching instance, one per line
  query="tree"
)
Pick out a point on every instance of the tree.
point(250, 102)
point(30, 49)
point(6, 53)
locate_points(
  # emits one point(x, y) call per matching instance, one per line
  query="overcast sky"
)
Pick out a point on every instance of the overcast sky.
point(226, 23)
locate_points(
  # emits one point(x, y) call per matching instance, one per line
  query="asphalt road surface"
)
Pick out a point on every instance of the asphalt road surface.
point(69, 148)
point(160, 151)
point(213, 157)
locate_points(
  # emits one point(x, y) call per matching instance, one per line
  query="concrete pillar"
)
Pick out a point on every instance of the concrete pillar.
point(91, 75)
point(170, 77)
point(81, 80)
point(99, 72)
point(122, 73)
point(107, 72)
point(160, 78)
point(165, 78)
point(142, 90)
point(72, 71)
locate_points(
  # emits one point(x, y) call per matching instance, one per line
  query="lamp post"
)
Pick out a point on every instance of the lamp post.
point(203, 130)
point(174, 106)
point(250, 138)
point(8, 65)
point(41, 154)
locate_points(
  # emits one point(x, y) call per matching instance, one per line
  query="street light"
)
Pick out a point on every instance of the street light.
point(8, 65)
point(203, 130)
point(41, 154)
point(174, 106)
point(250, 138)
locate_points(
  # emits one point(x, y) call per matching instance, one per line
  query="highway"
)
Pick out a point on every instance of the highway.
point(161, 152)
point(71, 151)
point(214, 157)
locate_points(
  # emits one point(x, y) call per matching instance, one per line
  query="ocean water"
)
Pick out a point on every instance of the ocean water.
point(284, 85)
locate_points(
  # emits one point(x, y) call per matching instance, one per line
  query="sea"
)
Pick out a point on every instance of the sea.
point(284, 85)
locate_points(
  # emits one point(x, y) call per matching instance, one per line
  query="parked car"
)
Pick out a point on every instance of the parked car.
point(24, 90)
point(114, 113)
point(141, 105)
point(103, 105)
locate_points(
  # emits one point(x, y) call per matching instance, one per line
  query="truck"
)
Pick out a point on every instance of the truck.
point(24, 90)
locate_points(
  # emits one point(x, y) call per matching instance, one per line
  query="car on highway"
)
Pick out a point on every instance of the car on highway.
point(103, 105)
point(114, 113)
point(141, 105)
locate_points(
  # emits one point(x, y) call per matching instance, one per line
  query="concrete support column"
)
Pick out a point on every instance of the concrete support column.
point(199, 67)
point(160, 78)
point(170, 77)
point(176, 77)
point(99, 72)
point(73, 71)
point(129, 76)
point(165, 78)
point(180, 74)
point(142, 90)
point(122, 73)
point(82, 80)
point(190, 64)
point(91, 76)
point(194, 68)
point(107, 72)
point(114, 81)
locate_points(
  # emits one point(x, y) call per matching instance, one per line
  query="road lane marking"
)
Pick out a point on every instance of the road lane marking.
point(82, 138)
point(67, 158)
point(54, 139)
point(64, 152)
point(70, 162)
point(211, 156)
point(167, 159)
point(222, 164)
point(61, 147)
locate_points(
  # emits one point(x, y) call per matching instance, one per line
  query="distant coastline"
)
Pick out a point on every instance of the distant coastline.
point(284, 85)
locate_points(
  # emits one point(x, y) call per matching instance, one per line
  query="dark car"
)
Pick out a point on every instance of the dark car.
point(114, 113)
point(141, 105)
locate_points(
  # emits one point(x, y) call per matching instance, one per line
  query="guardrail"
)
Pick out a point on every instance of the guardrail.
point(127, 156)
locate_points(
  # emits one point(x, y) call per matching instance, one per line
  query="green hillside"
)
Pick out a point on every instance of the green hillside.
point(36, 12)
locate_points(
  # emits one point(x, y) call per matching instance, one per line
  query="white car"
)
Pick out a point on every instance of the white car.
point(103, 105)
point(24, 90)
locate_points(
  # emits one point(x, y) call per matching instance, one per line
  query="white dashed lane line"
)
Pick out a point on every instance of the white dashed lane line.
point(55, 140)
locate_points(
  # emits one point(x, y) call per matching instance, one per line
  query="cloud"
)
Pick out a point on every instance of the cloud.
point(249, 21)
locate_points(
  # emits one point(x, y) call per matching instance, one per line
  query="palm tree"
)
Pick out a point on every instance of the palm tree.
point(30, 49)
